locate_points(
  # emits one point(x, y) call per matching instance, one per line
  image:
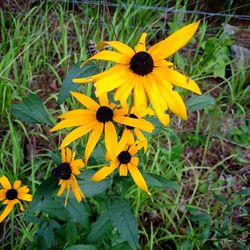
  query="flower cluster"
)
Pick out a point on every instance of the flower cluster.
point(142, 83)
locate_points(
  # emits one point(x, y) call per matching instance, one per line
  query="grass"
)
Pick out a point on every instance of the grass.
point(208, 155)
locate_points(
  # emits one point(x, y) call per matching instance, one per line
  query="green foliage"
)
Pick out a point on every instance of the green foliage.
point(31, 110)
point(196, 103)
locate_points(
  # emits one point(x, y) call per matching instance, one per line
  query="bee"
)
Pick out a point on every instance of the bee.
point(92, 50)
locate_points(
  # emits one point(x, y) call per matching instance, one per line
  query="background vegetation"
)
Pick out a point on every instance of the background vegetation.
point(208, 156)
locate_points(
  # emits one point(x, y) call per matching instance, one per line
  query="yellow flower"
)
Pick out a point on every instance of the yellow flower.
point(11, 195)
point(125, 160)
point(146, 73)
point(97, 118)
point(133, 133)
point(66, 172)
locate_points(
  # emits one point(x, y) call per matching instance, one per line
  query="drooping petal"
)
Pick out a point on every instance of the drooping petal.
point(21, 205)
point(141, 44)
point(157, 101)
point(121, 47)
point(76, 190)
point(136, 123)
point(6, 211)
point(76, 113)
point(92, 141)
point(110, 138)
point(182, 81)
point(111, 82)
point(140, 97)
point(25, 197)
point(93, 78)
point(62, 188)
point(174, 42)
point(109, 56)
point(5, 182)
point(85, 101)
point(17, 184)
point(138, 178)
point(77, 133)
point(123, 170)
point(105, 171)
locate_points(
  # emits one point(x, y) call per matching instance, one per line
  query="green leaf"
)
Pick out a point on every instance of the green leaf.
point(121, 246)
point(91, 188)
point(99, 228)
point(196, 103)
point(81, 247)
point(124, 220)
point(159, 181)
point(31, 110)
point(245, 191)
point(75, 72)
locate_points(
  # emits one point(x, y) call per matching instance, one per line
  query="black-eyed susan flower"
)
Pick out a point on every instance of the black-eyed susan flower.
point(66, 172)
point(97, 118)
point(11, 195)
point(134, 134)
point(146, 73)
point(125, 160)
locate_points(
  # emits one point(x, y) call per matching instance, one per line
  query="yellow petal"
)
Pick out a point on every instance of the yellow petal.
point(21, 205)
point(180, 80)
point(93, 78)
point(140, 97)
point(111, 82)
point(121, 47)
point(157, 101)
point(62, 188)
point(137, 177)
point(109, 56)
point(17, 184)
point(136, 123)
point(121, 145)
point(68, 155)
point(174, 42)
point(77, 133)
point(85, 101)
point(110, 138)
point(76, 190)
point(76, 113)
point(5, 182)
point(134, 160)
point(3, 194)
point(6, 211)
point(25, 197)
point(103, 100)
point(74, 122)
point(92, 141)
point(63, 154)
point(77, 164)
point(105, 171)
point(123, 170)
point(141, 44)
point(23, 190)
point(142, 139)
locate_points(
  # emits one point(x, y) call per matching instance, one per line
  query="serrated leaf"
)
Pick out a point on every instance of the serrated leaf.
point(99, 228)
point(75, 72)
point(31, 110)
point(196, 103)
point(124, 220)
point(159, 181)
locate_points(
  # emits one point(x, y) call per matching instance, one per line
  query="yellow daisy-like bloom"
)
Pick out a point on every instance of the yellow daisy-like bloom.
point(146, 73)
point(66, 172)
point(11, 195)
point(97, 118)
point(133, 133)
point(125, 160)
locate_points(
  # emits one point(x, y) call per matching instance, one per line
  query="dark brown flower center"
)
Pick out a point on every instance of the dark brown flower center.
point(104, 114)
point(63, 171)
point(132, 116)
point(124, 157)
point(11, 194)
point(142, 63)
